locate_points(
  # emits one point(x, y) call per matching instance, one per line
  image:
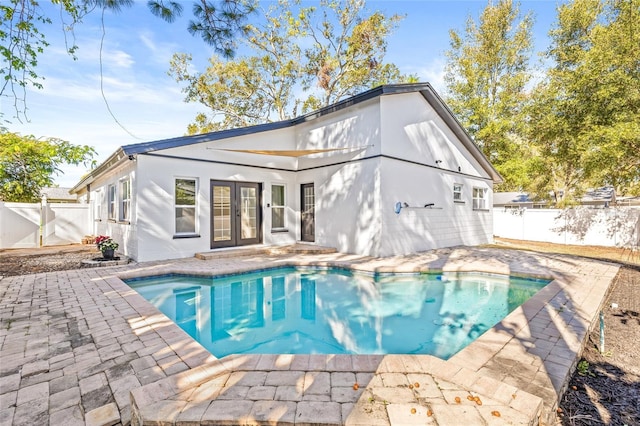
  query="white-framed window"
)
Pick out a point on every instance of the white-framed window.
point(457, 193)
point(479, 198)
point(277, 207)
point(125, 199)
point(185, 197)
point(111, 202)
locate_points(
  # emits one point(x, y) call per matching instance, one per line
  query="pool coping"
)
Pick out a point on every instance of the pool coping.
point(530, 354)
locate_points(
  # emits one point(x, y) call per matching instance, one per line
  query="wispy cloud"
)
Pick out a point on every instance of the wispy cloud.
point(117, 58)
point(432, 72)
point(160, 52)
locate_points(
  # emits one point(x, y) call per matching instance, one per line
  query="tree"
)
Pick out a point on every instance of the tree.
point(347, 58)
point(22, 40)
point(28, 164)
point(585, 118)
point(486, 74)
point(249, 90)
point(344, 55)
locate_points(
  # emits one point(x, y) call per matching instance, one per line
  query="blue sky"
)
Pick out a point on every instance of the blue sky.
point(148, 102)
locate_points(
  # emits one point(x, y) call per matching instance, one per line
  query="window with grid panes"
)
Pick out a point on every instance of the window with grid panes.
point(457, 193)
point(479, 198)
point(185, 205)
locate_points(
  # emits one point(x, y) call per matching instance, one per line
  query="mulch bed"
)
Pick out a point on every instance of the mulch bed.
point(605, 389)
point(47, 259)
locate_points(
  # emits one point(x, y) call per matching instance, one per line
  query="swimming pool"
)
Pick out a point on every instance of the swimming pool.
point(335, 311)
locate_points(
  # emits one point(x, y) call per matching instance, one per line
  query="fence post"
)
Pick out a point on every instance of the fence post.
point(43, 219)
point(615, 228)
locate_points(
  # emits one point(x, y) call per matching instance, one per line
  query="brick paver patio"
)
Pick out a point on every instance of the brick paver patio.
point(80, 347)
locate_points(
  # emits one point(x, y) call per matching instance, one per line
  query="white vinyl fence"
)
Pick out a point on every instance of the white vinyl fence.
point(27, 225)
point(613, 227)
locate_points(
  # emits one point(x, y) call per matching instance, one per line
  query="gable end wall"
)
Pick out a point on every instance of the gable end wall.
point(421, 157)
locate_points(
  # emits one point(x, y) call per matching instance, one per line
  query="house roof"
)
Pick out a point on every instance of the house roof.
point(603, 194)
point(427, 91)
point(591, 196)
point(502, 198)
point(54, 193)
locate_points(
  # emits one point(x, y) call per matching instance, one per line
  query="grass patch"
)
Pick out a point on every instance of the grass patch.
point(615, 254)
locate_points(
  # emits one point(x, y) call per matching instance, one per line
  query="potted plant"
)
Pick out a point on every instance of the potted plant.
point(106, 245)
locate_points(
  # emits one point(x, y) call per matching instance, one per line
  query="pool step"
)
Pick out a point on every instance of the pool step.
point(264, 250)
point(301, 249)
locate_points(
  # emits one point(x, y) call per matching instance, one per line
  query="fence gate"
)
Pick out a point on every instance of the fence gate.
point(30, 225)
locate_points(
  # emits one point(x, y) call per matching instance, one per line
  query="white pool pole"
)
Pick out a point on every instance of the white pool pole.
point(601, 332)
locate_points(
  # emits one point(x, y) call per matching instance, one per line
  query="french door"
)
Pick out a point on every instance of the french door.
point(307, 212)
point(235, 213)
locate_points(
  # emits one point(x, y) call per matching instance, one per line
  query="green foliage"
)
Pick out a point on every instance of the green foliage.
point(28, 164)
point(486, 75)
point(250, 90)
point(583, 369)
point(585, 116)
point(579, 127)
point(22, 40)
point(237, 91)
point(343, 54)
point(347, 58)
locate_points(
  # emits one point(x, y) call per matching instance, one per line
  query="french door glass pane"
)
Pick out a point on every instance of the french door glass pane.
point(221, 213)
point(249, 220)
point(309, 199)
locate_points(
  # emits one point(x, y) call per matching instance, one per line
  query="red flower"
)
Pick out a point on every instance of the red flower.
point(101, 238)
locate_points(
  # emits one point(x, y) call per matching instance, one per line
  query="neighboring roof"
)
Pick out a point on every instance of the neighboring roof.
point(591, 196)
point(58, 194)
point(427, 91)
point(606, 193)
point(503, 198)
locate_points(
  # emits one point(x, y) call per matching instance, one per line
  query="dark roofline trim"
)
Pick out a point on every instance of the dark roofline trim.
point(146, 147)
point(452, 122)
point(425, 89)
point(339, 163)
point(117, 157)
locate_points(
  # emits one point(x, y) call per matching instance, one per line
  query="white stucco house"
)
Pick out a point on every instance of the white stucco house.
point(389, 171)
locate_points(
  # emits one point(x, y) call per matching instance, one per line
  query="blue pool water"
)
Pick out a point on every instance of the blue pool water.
point(334, 311)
